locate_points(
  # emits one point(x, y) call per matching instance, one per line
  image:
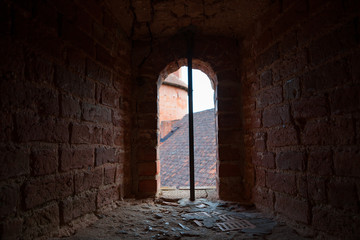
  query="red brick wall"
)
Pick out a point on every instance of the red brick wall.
point(172, 103)
point(302, 113)
point(64, 114)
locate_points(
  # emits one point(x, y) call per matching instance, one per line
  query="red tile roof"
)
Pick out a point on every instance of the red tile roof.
point(174, 152)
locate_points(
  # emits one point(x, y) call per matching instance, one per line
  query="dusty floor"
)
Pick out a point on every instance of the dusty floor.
point(169, 218)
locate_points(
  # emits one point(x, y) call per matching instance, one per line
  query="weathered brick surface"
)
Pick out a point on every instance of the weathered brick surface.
point(105, 155)
point(15, 162)
point(281, 182)
point(10, 197)
point(295, 209)
point(88, 179)
point(320, 162)
point(290, 161)
point(72, 158)
point(41, 190)
point(44, 160)
point(306, 56)
point(106, 196)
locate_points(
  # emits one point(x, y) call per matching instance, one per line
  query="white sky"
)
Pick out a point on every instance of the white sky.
point(203, 94)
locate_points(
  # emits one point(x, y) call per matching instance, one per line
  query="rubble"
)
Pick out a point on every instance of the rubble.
point(184, 220)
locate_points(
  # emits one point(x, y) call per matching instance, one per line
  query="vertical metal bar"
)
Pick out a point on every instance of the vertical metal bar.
point(191, 119)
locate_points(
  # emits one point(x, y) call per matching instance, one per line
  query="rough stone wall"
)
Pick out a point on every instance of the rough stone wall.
point(217, 57)
point(64, 114)
point(302, 108)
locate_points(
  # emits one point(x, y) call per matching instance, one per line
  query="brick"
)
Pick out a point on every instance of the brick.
point(292, 89)
point(76, 158)
point(93, 8)
point(317, 189)
point(146, 154)
point(266, 78)
point(295, 209)
point(254, 121)
point(333, 43)
point(41, 222)
point(332, 132)
point(39, 70)
point(327, 76)
point(229, 170)
point(264, 198)
point(70, 107)
point(31, 127)
point(76, 206)
point(10, 200)
point(344, 100)
point(330, 221)
point(106, 196)
point(122, 120)
point(291, 17)
point(268, 57)
point(109, 174)
point(228, 153)
point(6, 127)
point(44, 160)
point(260, 175)
point(73, 83)
point(354, 69)
point(84, 21)
point(108, 137)
point(229, 120)
point(78, 38)
point(310, 107)
point(269, 96)
point(283, 136)
point(289, 43)
point(110, 97)
point(105, 155)
point(11, 229)
point(14, 162)
point(281, 182)
point(260, 142)
point(81, 133)
point(266, 160)
point(147, 186)
point(96, 72)
point(290, 161)
point(96, 113)
point(147, 107)
point(148, 168)
point(302, 186)
point(320, 162)
point(347, 162)
point(103, 56)
point(291, 65)
point(274, 116)
point(46, 101)
point(40, 190)
point(89, 179)
point(228, 91)
point(76, 60)
point(343, 195)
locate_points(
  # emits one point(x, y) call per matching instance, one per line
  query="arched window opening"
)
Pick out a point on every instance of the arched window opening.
point(173, 145)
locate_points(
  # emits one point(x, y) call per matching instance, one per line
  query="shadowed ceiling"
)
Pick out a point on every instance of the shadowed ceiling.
point(154, 19)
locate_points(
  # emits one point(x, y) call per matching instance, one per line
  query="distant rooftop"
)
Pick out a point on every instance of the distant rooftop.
point(174, 152)
point(173, 80)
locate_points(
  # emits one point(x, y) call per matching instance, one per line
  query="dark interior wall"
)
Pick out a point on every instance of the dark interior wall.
point(302, 108)
point(65, 98)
